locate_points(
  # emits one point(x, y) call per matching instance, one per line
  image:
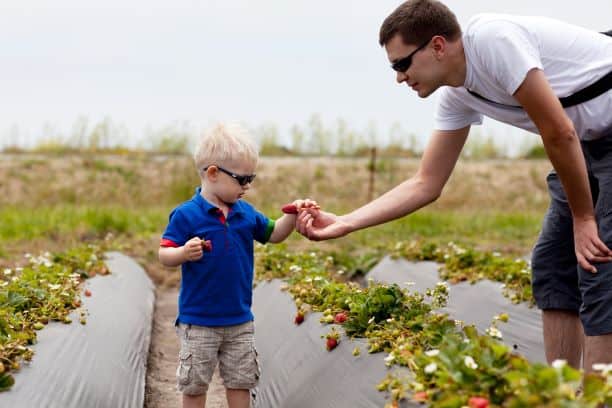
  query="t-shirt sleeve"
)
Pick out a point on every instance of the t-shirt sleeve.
point(263, 228)
point(452, 113)
point(507, 52)
point(177, 231)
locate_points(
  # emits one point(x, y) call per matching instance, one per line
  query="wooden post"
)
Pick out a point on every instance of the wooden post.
point(372, 168)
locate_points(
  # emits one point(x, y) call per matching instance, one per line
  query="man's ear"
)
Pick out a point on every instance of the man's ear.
point(439, 45)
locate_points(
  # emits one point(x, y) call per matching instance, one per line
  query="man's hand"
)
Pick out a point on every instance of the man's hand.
point(589, 248)
point(318, 225)
point(193, 249)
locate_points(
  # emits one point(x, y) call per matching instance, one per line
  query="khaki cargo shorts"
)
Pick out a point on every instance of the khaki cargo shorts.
point(233, 347)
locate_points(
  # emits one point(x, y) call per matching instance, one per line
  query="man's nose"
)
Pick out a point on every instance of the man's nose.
point(401, 77)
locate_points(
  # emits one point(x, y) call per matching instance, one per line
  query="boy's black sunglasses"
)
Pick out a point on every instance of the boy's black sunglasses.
point(243, 180)
point(402, 64)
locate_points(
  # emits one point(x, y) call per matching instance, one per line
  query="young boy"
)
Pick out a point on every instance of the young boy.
point(211, 236)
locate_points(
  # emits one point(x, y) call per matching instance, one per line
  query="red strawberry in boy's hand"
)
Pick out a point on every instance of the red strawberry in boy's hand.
point(478, 402)
point(299, 318)
point(207, 245)
point(331, 343)
point(87, 292)
point(340, 318)
point(290, 208)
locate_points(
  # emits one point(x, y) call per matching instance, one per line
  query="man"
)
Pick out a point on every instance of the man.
point(514, 69)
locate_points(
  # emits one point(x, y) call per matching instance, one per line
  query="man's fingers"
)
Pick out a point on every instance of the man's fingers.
point(603, 248)
point(584, 264)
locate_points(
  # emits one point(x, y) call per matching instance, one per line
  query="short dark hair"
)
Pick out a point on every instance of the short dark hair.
point(418, 21)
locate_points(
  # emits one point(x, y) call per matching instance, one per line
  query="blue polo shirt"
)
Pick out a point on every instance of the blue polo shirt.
point(217, 289)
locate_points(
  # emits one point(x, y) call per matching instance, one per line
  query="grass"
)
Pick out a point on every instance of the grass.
point(48, 202)
point(19, 223)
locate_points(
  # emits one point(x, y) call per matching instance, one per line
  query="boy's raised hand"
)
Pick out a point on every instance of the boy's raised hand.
point(193, 249)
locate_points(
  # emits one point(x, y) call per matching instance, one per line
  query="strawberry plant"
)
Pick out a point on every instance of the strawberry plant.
point(48, 288)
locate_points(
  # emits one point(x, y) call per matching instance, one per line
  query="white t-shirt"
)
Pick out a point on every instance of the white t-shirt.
point(500, 50)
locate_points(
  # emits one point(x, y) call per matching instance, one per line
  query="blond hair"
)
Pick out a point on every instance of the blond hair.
point(223, 143)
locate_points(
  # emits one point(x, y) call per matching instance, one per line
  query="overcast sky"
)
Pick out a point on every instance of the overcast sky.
point(151, 63)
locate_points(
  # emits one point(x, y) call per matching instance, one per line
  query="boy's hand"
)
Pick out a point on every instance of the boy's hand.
point(193, 249)
point(297, 205)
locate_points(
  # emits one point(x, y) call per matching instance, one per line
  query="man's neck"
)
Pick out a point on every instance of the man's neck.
point(457, 65)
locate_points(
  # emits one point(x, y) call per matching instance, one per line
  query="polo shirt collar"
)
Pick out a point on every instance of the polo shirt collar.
point(208, 207)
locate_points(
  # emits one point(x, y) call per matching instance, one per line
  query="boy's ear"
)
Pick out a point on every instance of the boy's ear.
point(211, 173)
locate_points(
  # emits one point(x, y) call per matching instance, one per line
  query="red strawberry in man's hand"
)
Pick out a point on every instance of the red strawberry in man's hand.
point(478, 402)
point(290, 208)
point(207, 245)
point(331, 343)
point(87, 292)
point(299, 318)
point(340, 318)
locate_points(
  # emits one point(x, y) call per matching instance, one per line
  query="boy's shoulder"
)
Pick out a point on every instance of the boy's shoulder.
point(186, 208)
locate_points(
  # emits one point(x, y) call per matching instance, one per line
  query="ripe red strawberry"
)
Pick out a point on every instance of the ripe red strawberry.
point(207, 245)
point(289, 208)
point(420, 396)
point(331, 343)
point(299, 318)
point(478, 402)
point(87, 292)
point(340, 317)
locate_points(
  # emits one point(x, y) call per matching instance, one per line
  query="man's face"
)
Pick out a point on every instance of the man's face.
point(420, 73)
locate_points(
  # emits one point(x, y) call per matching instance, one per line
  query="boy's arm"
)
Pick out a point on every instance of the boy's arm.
point(175, 256)
point(283, 227)
point(563, 149)
point(172, 256)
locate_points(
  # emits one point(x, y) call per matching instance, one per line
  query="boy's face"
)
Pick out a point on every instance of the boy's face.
point(225, 180)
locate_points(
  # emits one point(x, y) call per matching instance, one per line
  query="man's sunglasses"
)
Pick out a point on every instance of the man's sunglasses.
point(243, 180)
point(402, 65)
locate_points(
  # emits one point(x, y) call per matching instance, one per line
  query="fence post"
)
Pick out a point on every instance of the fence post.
point(372, 169)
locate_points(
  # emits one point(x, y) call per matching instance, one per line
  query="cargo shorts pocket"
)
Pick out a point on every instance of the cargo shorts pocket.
point(183, 372)
point(257, 366)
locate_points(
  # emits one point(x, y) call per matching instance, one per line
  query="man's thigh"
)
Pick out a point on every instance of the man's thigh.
point(554, 264)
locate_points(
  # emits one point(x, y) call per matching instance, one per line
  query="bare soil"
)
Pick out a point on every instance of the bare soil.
point(160, 391)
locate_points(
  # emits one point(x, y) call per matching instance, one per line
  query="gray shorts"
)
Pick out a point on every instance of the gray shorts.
point(558, 282)
point(233, 347)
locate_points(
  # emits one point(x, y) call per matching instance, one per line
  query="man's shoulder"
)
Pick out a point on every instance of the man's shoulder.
point(488, 23)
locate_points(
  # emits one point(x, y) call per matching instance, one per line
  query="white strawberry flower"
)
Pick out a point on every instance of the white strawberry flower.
point(494, 332)
point(604, 368)
point(559, 363)
point(430, 368)
point(470, 363)
point(432, 353)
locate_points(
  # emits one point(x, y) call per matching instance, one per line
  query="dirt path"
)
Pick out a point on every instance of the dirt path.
point(160, 391)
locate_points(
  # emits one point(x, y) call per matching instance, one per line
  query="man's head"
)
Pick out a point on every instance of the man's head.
point(226, 158)
point(417, 36)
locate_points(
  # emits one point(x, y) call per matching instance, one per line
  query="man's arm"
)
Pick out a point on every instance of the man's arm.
point(563, 149)
point(424, 187)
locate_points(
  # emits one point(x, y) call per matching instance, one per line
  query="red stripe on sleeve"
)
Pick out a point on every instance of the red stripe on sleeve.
point(167, 243)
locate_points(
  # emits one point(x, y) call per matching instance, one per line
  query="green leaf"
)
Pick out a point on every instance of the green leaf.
point(6, 382)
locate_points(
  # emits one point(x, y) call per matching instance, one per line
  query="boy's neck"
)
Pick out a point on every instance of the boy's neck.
point(214, 200)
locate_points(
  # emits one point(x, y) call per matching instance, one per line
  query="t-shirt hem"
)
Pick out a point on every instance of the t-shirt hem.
point(214, 321)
